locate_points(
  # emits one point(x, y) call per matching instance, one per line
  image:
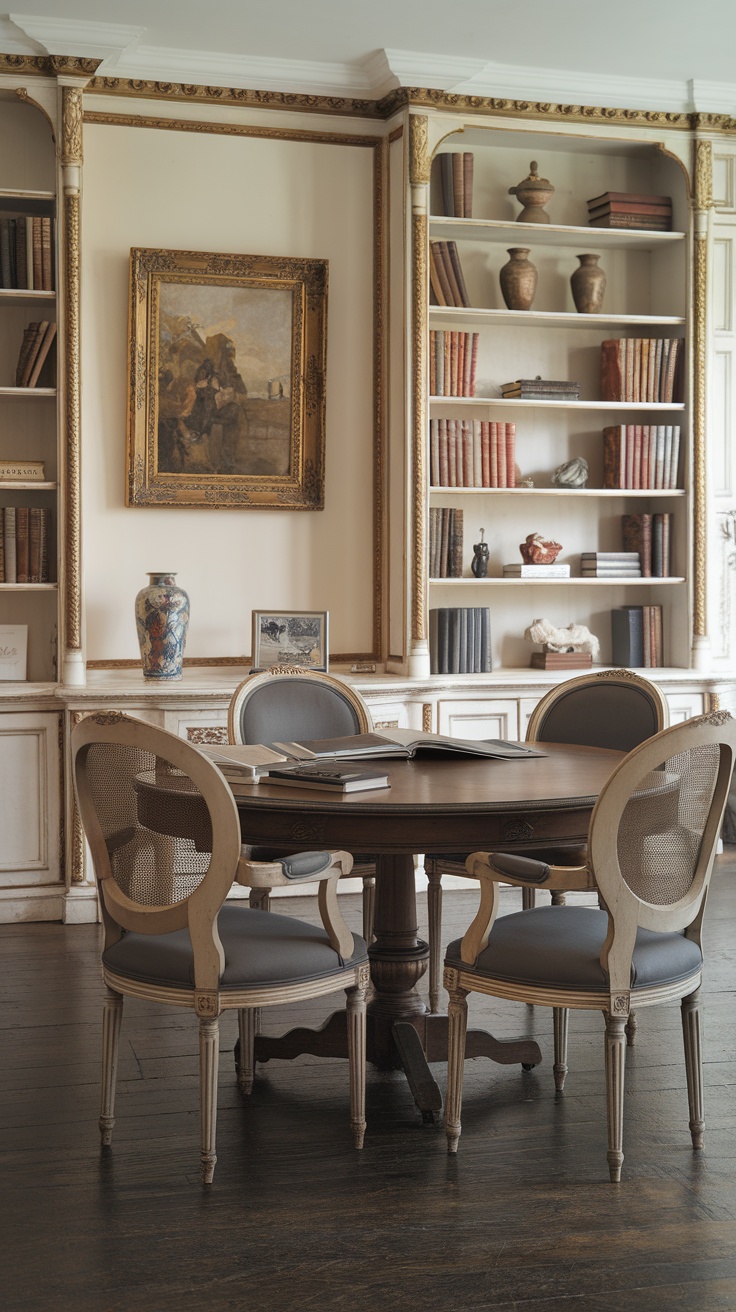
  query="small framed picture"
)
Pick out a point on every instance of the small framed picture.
point(13, 651)
point(299, 638)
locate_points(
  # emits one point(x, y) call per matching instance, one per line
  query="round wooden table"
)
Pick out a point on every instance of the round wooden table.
point(452, 806)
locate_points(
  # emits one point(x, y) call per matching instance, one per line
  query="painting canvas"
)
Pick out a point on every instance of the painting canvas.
point(227, 370)
point(298, 638)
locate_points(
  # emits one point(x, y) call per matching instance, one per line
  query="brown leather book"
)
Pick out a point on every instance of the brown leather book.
point(634, 197)
point(494, 453)
point(437, 256)
point(636, 535)
point(447, 369)
point(21, 544)
point(34, 544)
point(631, 207)
point(468, 363)
point(461, 363)
point(473, 363)
point(33, 352)
point(510, 430)
point(458, 273)
point(29, 337)
point(456, 544)
point(614, 457)
point(447, 185)
point(47, 274)
point(450, 283)
point(435, 284)
point(643, 368)
point(648, 223)
point(42, 354)
point(2, 545)
point(561, 660)
point(20, 254)
point(612, 372)
point(37, 257)
point(634, 436)
point(458, 188)
point(45, 521)
point(468, 162)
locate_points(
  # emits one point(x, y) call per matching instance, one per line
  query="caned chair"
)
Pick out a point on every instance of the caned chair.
point(609, 708)
point(652, 842)
point(288, 704)
point(164, 834)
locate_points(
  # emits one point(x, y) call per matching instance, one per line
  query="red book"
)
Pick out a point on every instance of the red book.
point(637, 456)
point(501, 443)
point(432, 365)
point(461, 363)
point(443, 455)
point(469, 364)
point(477, 455)
point(485, 446)
point(451, 456)
point(473, 364)
point(467, 454)
point(494, 454)
point(510, 454)
point(629, 442)
point(644, 429)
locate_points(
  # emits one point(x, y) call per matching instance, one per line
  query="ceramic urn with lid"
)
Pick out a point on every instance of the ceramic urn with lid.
point(533, 193)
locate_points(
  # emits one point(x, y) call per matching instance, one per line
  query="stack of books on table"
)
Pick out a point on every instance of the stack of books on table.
point(453, 359)
point(34, 350)
point(561, 660)
point(636, 633)
point(610, 565)
point(446, 276)
point(522, 571)
point(651, 537)
point(472, 453)
point(624, 209)
point(456, 173)
point(445, 543)
point(242, 764)
point(460, 640)
point(642, 369)
point(328, 778)
point(641, 456)
point(540, 389)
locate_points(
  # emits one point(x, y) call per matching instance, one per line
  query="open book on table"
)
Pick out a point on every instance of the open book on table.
point(402, 743)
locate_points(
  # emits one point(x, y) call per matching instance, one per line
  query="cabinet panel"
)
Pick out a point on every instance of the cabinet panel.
point(479, 718)
point(30, 808)
point(684, 705)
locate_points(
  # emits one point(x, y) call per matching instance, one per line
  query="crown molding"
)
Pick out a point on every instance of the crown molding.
point(105, 42)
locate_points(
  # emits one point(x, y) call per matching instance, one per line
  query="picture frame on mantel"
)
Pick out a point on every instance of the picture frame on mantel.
point(299, 638)
point(227, 363)
point(13, 653)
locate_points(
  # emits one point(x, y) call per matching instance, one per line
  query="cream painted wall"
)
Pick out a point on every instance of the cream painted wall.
point(198, 191)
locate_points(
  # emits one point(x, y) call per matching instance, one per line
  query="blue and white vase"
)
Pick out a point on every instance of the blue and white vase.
point(162, 619)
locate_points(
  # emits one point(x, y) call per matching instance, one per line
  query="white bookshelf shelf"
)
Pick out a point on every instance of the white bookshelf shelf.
point(27, 391)
point(551, 583)
point(29, 587)
point(472, 317)
point(27, 485)
point(549, 234)
point(577, 492)
point(613, 407)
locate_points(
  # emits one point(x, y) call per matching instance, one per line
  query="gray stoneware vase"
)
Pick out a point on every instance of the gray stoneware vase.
point(588, 285)
point(518, 279)
point(162, 618)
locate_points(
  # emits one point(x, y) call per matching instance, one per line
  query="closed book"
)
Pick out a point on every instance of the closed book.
point(434, 453)
point(536, 571)
point(610, 572)
point(45, 538)
point(675, 457)
point(452, 478)
point(458, 188)
point(437, 262)
point(612, 371)
point(485, 432)
point(530, 394)
point(35, 518)
point(477, 454)
point(47, 261)
point(26, 346)
point(501, 442)
point(435, 285)
point(486, 664)
point(494, 453)
point(561, 660)
point(455, 641)
point(614, 456)
point(510, 432)
point(33, 350)
point(337, 779)
point(21, 263)
point(5, 275)
point(639, 222)
point(9, 536)
point(468, 163)
point(627, 637)
point(458, 275)
point(625, 557)
point(636, 535)
point(21, 543)
point(475, 338)
point(21, 471)
point(37, 257)
point(456, 544)
point(450, 284)
point(636, 198)
point(42, 354)
point(448, 194)
point(659, 208)
point(542, 385)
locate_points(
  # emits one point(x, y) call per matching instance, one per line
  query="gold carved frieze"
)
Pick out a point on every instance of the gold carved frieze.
point(71, 125)
point(418, 371)
point(703, 189)
point(420, 160)
point(72, 483)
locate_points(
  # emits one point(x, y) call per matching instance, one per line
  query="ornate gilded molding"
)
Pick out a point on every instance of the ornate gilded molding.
point(22, 94)
point(208, 95)
point(72, 482)
point(49, 65)
point(702, 202)
point(703, 170)
point(71, 125)
point(427, 711)
point(418, 435)
point(432, 98)
point(380, 170)
point(420, 159)
point(231, 129)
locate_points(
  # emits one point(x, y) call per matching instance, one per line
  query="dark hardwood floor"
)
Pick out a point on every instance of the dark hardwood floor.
point(523, 1218)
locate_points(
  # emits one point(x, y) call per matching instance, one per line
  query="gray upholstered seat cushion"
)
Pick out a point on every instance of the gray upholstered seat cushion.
point(560, 947)
point(260, 949)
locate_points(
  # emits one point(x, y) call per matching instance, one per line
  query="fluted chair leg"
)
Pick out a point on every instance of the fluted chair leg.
point(434, 910)
point(690, 1012)
point(356, 1059)
point(209, 1052)
point(111, 1017)
point(369, 906)
point(561, 1017)
point(615, 1069)
point(457, 1030)
point(247, 1022)
point(528, 899)
point(259, 899)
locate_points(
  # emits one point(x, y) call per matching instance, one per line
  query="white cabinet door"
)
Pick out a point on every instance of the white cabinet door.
point(684, 705)
point(479, 717)
point(30, 816)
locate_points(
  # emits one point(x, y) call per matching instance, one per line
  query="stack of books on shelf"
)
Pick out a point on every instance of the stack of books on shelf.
point(34, 350)
point(540, 389)
point(446, 276)
point(641, 456)
point(623, 209)
point(24, 544)
point(610, 565)
point(636, 633)
point(445, 543)
point(642, 369)
point(453, 358)
point(26, 253)
point(460, 640)
point(561, 660)
point(651, 537)
point(472, 453)
point(521, 571)
point(456, 173)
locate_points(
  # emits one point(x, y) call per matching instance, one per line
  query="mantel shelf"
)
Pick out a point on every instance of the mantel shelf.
point(550, 583)
point(558, 491)
point(549, 234)
point(513, 403)
point(473, 317)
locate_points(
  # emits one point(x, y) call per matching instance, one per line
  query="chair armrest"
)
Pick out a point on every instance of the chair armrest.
point(525, 872)
point(305, 868)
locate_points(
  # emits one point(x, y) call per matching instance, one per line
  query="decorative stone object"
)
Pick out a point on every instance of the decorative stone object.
point(575, 637)
point(574, 473)
point(588, 285)
point(479, 563)
point(537, 551)
point(518, 279)
point(533, 193)
point(162, 619)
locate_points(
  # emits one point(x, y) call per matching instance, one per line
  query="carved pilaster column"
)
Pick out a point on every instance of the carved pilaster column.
point(702, 208)
point(419, 168)
point(70, 159)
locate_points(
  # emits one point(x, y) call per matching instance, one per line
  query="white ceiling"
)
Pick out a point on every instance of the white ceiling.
point(668, 54)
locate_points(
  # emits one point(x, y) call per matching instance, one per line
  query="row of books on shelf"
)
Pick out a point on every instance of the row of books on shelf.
point(453, 359)
point(472, 453)
point(26, 253)
point(24, 544)
point(636, 637)
point(445, 543)
point(625, 209)
point(460, 640)
point(645, 456)
point(446, 280)
point(642, 369)
point(456, 174)
point(38, 339)
point(651, 537)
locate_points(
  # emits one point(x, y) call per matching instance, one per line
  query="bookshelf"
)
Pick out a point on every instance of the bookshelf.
point(29, 419)
point(647, 295)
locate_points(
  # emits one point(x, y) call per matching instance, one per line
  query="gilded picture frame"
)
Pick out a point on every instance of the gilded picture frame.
point(294, 638)
point(227, 362)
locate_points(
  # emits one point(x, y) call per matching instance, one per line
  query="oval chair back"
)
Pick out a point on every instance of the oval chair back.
point(292, 706)
point(609, 708)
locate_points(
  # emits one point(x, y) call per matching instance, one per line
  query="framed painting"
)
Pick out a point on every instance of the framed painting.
point(227, 357)
point(299, 638)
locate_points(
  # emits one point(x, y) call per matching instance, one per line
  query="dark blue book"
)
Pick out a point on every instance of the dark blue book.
point(627, 637)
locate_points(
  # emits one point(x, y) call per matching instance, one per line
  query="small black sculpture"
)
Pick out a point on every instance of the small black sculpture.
point(479, 563)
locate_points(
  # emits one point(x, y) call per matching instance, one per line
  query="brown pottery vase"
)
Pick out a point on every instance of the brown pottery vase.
point(588, 285)
point(518, 279)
